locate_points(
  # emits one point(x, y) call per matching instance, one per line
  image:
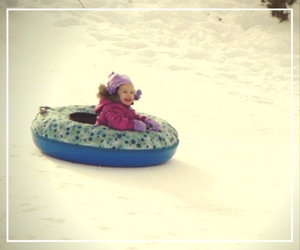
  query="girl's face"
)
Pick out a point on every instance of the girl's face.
point(126, 94)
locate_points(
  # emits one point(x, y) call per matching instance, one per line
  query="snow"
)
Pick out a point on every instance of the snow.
point(222, 78)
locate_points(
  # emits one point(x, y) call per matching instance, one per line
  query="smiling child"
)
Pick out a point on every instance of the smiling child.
point(114, 108)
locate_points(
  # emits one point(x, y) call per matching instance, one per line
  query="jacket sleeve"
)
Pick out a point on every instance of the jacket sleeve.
point(140, 117)
point(97, 109)
point(116, 120)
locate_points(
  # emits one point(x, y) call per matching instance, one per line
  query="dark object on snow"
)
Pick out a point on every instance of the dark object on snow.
point(281, 4)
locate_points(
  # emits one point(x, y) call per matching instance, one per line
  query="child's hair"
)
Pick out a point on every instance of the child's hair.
point(103, 93)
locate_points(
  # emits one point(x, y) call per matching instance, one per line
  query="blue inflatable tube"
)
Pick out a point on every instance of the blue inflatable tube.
point(56, 135)
point(104, 157)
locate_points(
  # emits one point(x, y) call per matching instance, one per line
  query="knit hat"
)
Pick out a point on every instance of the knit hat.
point(115, 80)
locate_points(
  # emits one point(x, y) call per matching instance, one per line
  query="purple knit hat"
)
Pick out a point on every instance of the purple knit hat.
point(115, 80)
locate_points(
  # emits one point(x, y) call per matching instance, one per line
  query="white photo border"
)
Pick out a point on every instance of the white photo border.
point(8, 10)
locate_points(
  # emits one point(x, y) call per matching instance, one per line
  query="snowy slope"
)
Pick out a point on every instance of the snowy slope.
point(221, 78)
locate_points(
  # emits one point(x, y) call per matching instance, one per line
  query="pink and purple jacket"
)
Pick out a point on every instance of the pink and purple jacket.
point(116, 115)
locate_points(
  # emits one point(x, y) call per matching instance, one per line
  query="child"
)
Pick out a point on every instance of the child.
point(114, 108)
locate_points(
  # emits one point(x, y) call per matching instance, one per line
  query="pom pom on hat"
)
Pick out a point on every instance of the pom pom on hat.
point(137, 95)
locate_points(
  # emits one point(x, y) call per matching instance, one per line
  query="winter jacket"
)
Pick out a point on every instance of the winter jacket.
point(116, 115)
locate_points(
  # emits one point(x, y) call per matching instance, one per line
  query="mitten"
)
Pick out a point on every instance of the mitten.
point(153, 124)
point(139, 126)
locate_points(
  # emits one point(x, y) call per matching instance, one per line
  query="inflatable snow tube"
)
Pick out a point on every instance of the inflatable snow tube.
point(69, 133)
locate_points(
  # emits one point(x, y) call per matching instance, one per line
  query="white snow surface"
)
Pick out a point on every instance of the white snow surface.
point(222, 78)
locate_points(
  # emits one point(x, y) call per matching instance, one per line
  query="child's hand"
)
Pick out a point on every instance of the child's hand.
point(139, 126)
point(153, 124)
